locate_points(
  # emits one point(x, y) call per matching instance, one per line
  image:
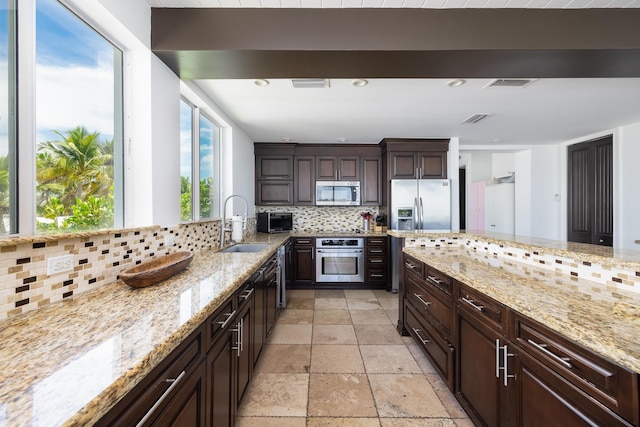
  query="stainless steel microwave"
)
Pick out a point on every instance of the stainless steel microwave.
point(269, 222)
point(337, 193)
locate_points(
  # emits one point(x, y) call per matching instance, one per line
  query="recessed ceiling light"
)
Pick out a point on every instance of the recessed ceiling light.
point(456, 83)
point(261, 82)
point(342, 139)
point(286, 139)
point(360, 82)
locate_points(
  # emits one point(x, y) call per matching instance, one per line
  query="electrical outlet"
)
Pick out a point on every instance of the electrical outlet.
point(169, 240)
point(59, 264)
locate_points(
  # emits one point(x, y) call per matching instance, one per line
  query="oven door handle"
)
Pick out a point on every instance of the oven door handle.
point(340, 251)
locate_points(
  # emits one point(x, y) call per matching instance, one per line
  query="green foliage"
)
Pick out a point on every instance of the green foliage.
point(206, 195)
point(185, 199)
point(75, 179)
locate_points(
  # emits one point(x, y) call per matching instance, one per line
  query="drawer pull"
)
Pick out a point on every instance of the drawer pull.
point(565, 361)
point(247, 295)
point(376, 241)
point(303, 242)
point(472, 304)
point(417, 332)
point(377, 275)
point(409, 265)
point(434, 280)
point(376, 251)
point(167, 392)
point(229, 317)
point(427, 303)
point(375, 261)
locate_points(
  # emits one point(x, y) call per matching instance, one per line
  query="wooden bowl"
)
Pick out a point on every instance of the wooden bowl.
point(157, 270)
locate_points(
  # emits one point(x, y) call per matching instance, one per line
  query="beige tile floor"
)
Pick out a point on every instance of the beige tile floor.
point(334, 358)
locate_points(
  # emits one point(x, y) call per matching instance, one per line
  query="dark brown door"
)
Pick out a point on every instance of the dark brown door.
point(244, 353)
point(402, 165)
point(433, 165)
point(349, 168)
point(270, 310)
point(590, 187)
point(326, 168)
point(274, 167)
point(221, 361)
point(305, 181)
point(303, 261)
point(274, 193)
point(371, 184)
point(259, 334)
point(187, 407)
point(479, 390)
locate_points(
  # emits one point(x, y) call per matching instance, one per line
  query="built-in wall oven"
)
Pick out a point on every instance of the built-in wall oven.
point(339, 260)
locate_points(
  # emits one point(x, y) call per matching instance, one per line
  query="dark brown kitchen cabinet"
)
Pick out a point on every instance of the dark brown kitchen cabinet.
point(416, 158)
point(288, 262)
point(377, 261)
point(304, 180)
point(560, 382)
point(244, 345)
point(371, 182)
point(274, 193)
point(173, 393)
point(221, 366)
point(482, 351)
point(334, 168)
point(274, 167)
point(428, 315)
point(304, 261)
point(271, 308)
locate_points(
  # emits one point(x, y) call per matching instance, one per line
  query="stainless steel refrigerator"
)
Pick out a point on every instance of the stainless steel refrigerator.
point(421, 204)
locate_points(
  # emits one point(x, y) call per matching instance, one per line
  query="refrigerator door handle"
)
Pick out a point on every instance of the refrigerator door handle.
point(416, 214)
point(421, 213)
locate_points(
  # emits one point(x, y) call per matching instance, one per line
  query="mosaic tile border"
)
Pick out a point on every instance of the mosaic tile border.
point(619, 278)
point(98, 259)
point(324, 218)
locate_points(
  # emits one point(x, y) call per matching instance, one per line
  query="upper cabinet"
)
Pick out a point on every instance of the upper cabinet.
point(274, 167)
point(416, 158)
point(334, 168)
point(274, 174)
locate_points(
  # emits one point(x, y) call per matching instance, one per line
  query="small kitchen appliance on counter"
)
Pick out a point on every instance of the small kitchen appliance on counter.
point(272, 222)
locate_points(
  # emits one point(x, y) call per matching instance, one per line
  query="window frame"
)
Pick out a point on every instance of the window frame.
point(198, 112)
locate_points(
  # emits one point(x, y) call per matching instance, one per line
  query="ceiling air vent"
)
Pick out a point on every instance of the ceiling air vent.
point(309, 83)
point(476, 118)
point(510, 83)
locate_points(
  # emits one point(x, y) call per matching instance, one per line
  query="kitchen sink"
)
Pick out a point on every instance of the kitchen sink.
point(246, 247)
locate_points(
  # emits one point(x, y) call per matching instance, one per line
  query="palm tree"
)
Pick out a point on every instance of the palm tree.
point(75, 167)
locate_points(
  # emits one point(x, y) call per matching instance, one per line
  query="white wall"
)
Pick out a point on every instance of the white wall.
point(546, 212)
point(481, 166)
point(628, 206)
point(523, 189)
point(503, 164)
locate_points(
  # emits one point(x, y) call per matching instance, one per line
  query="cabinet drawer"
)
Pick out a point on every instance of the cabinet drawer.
point(438, 279)
point(612, 385)
point(413, 267)
point(376, 241)
point(221, 319)
point(376, 275)
point(376, 262)
point(435, 346)
point(485, 308)
point(438, 308)
point(303, 241)
point(374, 251)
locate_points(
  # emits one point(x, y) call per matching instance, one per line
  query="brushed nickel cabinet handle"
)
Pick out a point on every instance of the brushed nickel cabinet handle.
point(472, 304)
point(417, 332)
point(229, 317)
point(167, 392)
point(565, 361)
point(434, 280)
point(427, 303)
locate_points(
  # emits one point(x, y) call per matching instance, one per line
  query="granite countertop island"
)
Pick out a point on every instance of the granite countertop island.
point(70, 362)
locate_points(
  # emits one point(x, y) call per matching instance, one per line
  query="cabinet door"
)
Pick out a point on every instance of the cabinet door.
point(274, 193)
point(433, 165)
point(244, 353)
point(305, 181)
point(274, 167)
point(271, 302)
point(349, 168)
point(543, 398)
point(221, 362)
point(326, 168)
point(480, 391)
point(500, 208)
point(403, 165)
point(371, 183)
point(187, 407)
point(304, 262)
point(288, 262)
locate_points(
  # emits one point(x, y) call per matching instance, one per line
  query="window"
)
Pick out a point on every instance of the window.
point(186, 149)
point(201, 143)
point(78, 123)
point(8, 201)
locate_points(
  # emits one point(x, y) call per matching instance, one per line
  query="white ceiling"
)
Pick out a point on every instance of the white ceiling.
point(547, 111)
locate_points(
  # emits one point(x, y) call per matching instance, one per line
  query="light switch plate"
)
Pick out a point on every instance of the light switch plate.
point(59, 264)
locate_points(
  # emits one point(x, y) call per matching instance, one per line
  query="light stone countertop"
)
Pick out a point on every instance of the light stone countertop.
point(115, 335)
point(602, 318)
point(70, 362)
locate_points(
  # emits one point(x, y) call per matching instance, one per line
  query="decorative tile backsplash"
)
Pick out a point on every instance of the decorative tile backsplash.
point(98, 259)
point(620, 278)
point(325, 218)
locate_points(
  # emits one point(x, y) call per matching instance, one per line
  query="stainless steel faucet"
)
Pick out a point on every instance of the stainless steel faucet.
point(223, 226)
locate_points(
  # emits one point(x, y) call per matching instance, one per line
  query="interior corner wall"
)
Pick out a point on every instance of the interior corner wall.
point(626, 223)
point(547, 197)
point(502, 164)
point(523, 189)
point(481, 166)
point(453, 164)
point(165, 147)
point(243, 169)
